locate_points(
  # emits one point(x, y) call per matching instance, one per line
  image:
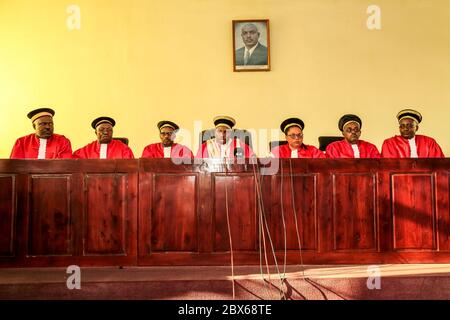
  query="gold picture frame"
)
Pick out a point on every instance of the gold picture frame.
point(251, 45)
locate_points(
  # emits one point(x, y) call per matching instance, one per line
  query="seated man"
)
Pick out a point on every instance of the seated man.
point(105, 147)
point(408, 144)
point(224, 144)
point(167, 148)
point(351, 146)
point(293, 129)
point(43, 144)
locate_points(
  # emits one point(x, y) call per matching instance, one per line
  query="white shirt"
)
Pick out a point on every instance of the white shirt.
point(294, 153)
point(225, 149)
point(250, 52)
point(355, 150)
point(167, 152)
point(413, 147)
point(42, 148)
point(103, 151)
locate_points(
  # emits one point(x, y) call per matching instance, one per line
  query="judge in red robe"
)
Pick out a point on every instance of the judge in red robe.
point(43, 144)
point(167, 148)
point(224, 145)
point(351, 146)
point(105, 147)
point(295, 148)
point(408, 144)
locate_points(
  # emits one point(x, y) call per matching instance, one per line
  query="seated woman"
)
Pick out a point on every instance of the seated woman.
point(295, 148)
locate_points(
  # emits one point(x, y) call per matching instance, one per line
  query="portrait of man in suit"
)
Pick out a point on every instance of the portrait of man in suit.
point(252, 40)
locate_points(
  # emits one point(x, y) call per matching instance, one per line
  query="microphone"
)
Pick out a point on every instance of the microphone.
point(239, 153)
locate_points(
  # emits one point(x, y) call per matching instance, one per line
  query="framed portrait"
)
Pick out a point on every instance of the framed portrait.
point(251, 45)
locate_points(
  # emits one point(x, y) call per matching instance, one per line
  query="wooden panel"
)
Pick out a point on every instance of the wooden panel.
point(354, 211)
point(174, 214)
point(294, 221)
point(7, 214)
point(106, 202)
point(443, 210)
point(85, 212)
point(238, 194)
point(413, 209)
point(50, 216)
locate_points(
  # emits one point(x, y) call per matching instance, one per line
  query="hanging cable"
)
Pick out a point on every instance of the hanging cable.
point(229, 230)
point(283, 217)
point(296, 222)
point(262, 235)
point(259, 196)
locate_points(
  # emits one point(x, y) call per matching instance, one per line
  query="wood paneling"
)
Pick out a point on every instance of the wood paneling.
point(443, 209)
point(100, 212)
point(293, 216)
point(235, 212)
point(174, 214)
point(106, 211)
point(413, 211)
point(7, 214)
point(354, 211)
point(50, 216)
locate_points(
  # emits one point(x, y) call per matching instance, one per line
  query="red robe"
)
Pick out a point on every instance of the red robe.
point(305, 151)
point(248, 152)
point(156, 150)
point(398, 147)
point(116, 150)
point(343, 149)
point(58, 147)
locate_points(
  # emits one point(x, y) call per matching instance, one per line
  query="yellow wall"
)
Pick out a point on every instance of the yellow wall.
point(141, 61)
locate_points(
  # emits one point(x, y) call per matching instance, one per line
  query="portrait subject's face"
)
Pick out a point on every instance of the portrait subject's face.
point(250, 35)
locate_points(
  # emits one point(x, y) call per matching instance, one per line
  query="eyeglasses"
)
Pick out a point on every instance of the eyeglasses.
point(407, 126)
point(349, 130)
point(295, 136)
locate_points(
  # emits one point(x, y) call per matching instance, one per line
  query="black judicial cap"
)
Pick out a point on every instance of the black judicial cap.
point(169, 124)
point(226, 121)
point(286, 124)
point(41, 112)
point(347, 118)
point(409, 114)
point(101, 120)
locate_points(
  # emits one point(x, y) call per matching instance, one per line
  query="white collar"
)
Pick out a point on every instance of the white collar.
point(250, 51)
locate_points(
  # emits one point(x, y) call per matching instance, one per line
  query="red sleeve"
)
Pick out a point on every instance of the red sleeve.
point(17, 150)
point(187, 153)
point(202, 151)
point(331, 151)
point(66, 149)
point(373, 152)
point(128, 153)
point(275, 152)
point(435, 150)
point(148, 152)
point(248, 151)
point(80, 154)
point(317, 153)
point(387, 151)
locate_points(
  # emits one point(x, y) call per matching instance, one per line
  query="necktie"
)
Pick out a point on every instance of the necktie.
point(247, 55)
